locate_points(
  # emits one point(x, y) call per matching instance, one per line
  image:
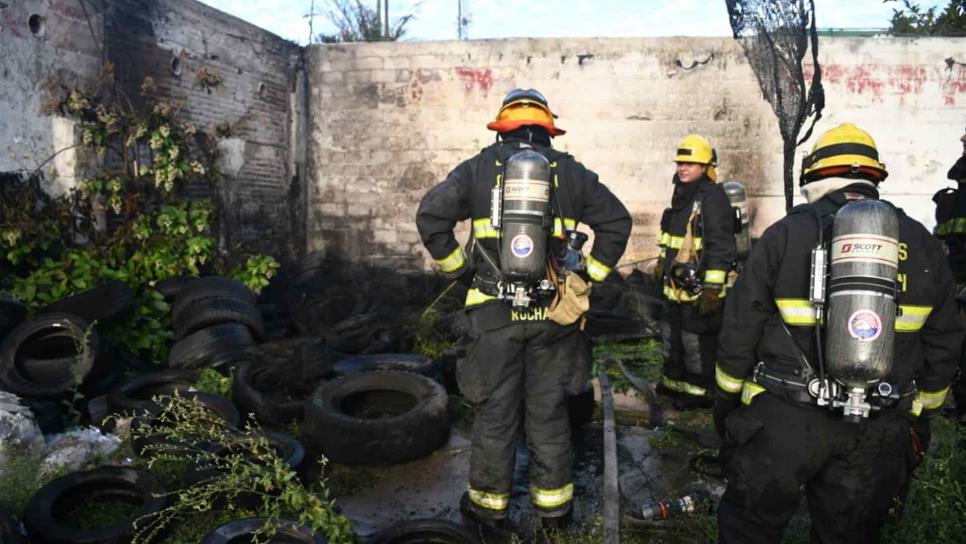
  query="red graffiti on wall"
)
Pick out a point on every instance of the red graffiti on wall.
point(473, 77)
point(877, 80)
point(955, 83)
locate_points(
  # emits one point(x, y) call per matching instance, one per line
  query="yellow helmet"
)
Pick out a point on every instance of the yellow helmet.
point(845, 151)
point(694, 148)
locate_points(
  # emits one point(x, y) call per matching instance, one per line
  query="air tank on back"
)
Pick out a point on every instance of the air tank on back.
point(526, 206)
point(739, 204)
point(861, 315)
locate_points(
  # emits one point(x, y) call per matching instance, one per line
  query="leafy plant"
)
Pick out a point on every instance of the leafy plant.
point(249, 465)
point(212, 381)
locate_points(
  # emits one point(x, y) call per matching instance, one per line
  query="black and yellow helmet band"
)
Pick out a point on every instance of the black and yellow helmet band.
point(840, 149)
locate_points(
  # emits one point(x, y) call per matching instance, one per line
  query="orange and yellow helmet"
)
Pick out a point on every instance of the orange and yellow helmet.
point(522, 107)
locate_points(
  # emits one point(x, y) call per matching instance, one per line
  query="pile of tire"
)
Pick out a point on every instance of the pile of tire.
point(216, 321)
point(50, 357)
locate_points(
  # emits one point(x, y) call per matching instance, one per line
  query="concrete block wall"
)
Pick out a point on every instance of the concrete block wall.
point(388, 121)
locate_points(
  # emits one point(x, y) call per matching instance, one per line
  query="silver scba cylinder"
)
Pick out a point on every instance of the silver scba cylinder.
point(861, 293)
point(526, 204)
point(739, 203)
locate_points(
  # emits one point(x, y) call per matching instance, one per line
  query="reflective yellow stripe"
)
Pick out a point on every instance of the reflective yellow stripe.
point(662, 253)
point(684, 387)
point(675, 242)
point(492, 501)
point(551, 498)
point(916, 409)
point(596, 269)
point(560, 229)
point(932, 400)
point(749, 391)
point(796, 311)
point(452, 262)
point(956, 225)
point(665, 239)
point(912, 318)
point(483, 228)
point(715, 276)
point(475, 296)
point(678, 295)
point(727, 382)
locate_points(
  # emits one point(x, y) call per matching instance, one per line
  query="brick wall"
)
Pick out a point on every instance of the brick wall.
point(261, 193)
point(388, 121)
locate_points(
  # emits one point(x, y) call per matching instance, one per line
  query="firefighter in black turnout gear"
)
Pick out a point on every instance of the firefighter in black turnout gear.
point(697, 250)
point(522, 362)
point(787, 405)
point(951, 229)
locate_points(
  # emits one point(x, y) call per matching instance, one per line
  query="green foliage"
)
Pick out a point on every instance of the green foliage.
point(642, 358)
point(256, 272)
point(935, 510)
point(912, 20)
point(126, 222)
point(212, 381)
point(358, 22)
point(250, 467)
point(21, 477)
point(429, 341)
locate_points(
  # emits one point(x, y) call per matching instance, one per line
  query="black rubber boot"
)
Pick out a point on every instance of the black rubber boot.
point(492, 522)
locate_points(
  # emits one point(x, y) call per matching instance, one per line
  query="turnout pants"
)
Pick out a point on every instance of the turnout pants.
point(850, 472)
point(690, 349)
point(518, 376)
point(959, 385)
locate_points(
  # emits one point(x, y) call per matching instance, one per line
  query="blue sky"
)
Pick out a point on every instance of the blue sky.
point(436, 19)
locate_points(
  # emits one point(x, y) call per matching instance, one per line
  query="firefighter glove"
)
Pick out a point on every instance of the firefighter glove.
point(724, 404)
point(709, 301)
point(463, 274)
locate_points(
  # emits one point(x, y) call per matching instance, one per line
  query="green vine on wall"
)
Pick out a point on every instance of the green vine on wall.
point(128, 220)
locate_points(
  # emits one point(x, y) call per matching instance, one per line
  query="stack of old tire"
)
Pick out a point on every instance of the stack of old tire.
point(215, 321)
point(51, 357)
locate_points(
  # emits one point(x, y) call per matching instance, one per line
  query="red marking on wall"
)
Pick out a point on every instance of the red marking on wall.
point(879, 80)
point(473, 77)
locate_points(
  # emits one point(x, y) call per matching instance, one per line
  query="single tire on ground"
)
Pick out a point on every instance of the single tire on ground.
point(20, 378)
point(109, 302)
point(377, 418)
point(427, 531)
point(274, 393)
point(209, 311)
point(211, 286)
point(211, 345)
point(387, 361)
point(136, 393)
point(218, 405)
point(49, 513)
point(240, 531)
point(286, 446)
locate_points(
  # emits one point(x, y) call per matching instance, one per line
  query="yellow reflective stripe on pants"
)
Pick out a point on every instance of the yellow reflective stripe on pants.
point(452, 261)
point(715, 276)
point(916, 409)
point(678, 295)
point(932, 400)
point(596, 269)
point(483, 228)
point(475, 296)
point(665, 239)
point(559, 229)
point(684, 387)
point(726, 381)
point(492, 501)
point(551, 498)
point(796, 311)
point(912, 318)
point(749, 391)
